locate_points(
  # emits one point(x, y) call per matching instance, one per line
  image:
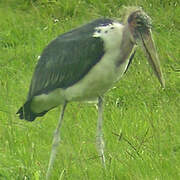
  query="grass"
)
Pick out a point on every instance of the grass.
point(145, 115)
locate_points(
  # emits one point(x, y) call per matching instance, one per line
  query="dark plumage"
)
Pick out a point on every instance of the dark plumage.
point(62, 63)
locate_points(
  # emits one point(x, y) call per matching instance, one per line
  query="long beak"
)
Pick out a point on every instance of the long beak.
point(151, 53)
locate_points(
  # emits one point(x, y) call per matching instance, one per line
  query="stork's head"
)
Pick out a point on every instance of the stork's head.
point(139, 24)
point(140, 27)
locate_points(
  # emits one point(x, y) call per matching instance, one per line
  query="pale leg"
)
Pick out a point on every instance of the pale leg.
point(55, 143)
point(99, 138)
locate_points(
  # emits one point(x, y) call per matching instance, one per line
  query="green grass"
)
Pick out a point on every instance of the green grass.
point(146, 115)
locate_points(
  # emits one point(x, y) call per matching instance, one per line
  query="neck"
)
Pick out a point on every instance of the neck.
point(126, 45)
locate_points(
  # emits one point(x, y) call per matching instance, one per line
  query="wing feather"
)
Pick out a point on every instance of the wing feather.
point(67, 59)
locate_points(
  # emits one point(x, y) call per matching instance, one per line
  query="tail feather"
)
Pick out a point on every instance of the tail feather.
point(26, 113)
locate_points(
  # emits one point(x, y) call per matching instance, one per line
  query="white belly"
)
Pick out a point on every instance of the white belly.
point(98, 80)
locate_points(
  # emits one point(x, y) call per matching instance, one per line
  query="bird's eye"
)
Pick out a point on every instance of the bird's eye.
point(139, 23)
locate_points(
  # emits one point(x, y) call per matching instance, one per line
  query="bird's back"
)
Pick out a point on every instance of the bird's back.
point(64, 62)
point(67, 59)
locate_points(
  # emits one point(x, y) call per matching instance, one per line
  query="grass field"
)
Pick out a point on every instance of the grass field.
point(147, 116)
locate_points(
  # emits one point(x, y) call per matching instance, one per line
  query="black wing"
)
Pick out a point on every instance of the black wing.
point(67, 59)
point(130, 60)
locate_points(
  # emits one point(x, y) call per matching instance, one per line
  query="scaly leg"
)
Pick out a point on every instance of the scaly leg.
point(99, 138)
point(55, 142)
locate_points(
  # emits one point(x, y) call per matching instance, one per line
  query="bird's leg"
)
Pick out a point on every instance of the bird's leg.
point(55, 142)
point(99, 138)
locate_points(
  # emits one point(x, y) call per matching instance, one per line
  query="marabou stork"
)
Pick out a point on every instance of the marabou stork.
point(83, 64)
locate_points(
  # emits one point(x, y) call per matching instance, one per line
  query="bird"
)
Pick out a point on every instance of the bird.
point(83, 64)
